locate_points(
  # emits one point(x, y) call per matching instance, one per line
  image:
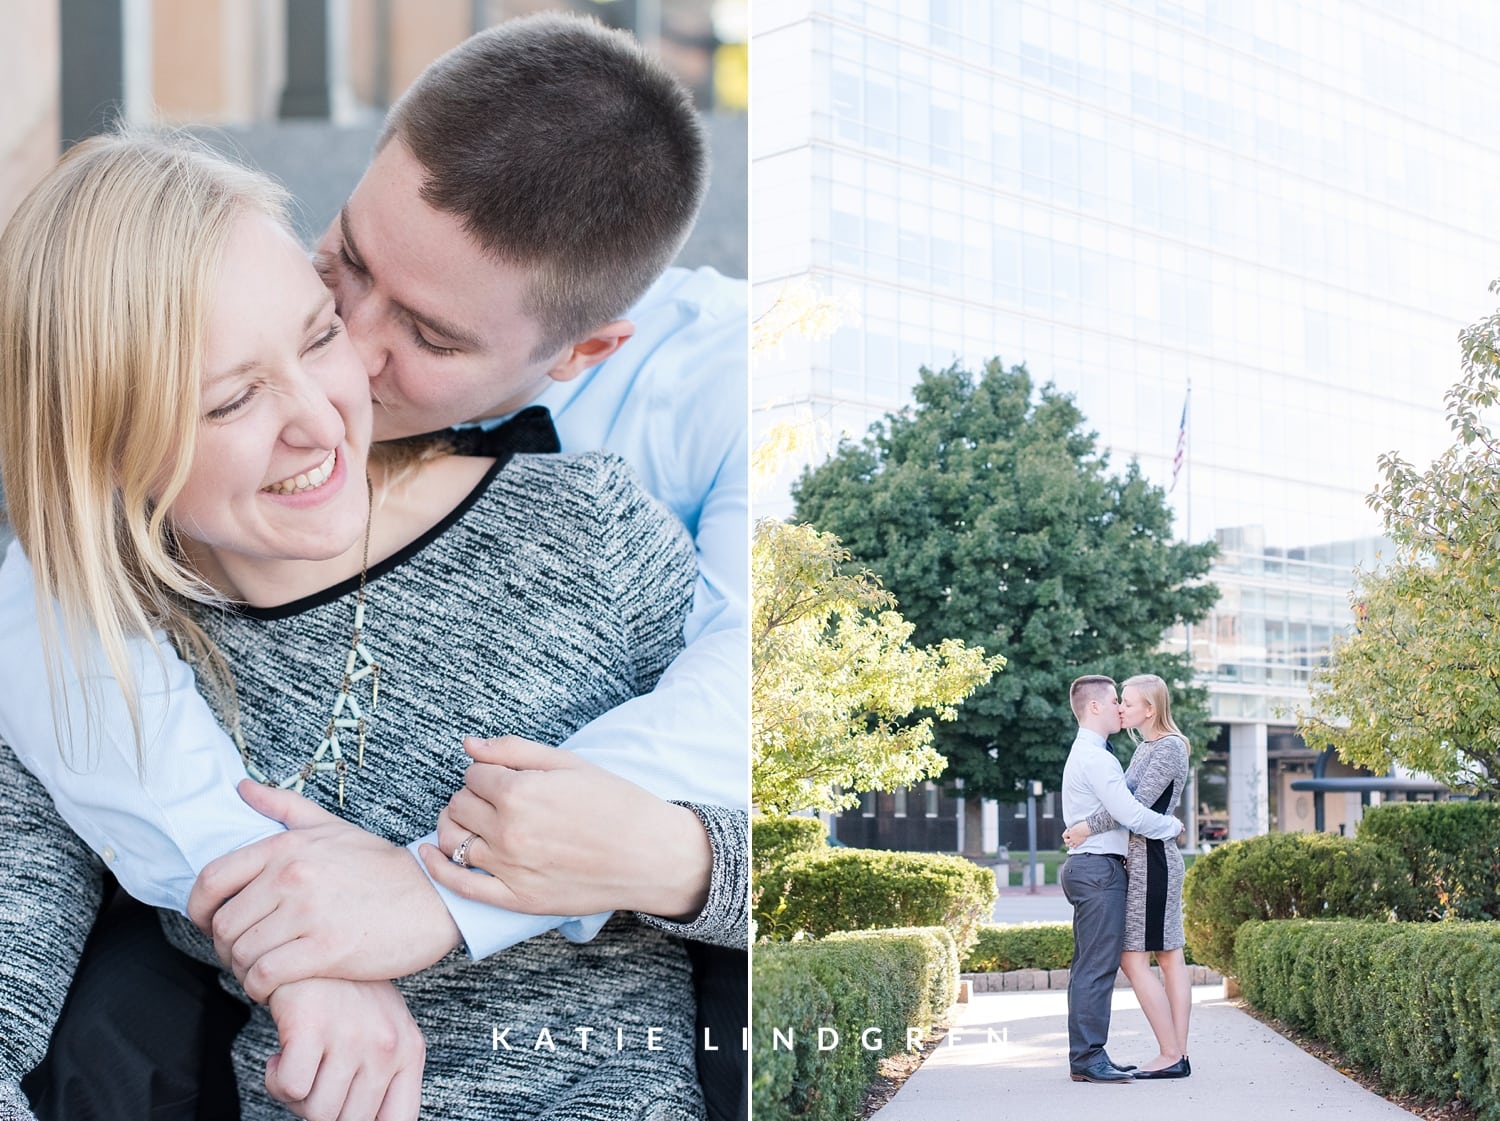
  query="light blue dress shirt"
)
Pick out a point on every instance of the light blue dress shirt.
point(672, 402)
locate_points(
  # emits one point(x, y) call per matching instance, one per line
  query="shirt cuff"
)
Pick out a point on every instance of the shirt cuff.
point(725, 918)
point(488, 929)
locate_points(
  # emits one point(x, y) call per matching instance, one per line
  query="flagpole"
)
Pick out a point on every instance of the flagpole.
point(1191, 816)
point(1187, 465)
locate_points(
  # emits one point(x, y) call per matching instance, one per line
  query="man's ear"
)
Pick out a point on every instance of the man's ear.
point(589, 352)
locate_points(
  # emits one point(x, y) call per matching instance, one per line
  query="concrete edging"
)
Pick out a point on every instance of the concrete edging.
point(1034, 980)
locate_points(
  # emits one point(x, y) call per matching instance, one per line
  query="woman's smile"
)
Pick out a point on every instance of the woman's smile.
point(307, 480)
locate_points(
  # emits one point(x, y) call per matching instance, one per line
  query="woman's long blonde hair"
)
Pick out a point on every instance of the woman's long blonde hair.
point(1154, 689)
point(107, 276)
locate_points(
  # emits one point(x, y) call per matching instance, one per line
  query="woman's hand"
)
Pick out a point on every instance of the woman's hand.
point(349, 1051)
point(1075, 835)
point(560, 836)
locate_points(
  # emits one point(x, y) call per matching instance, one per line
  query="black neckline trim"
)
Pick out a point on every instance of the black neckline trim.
point(390, 563)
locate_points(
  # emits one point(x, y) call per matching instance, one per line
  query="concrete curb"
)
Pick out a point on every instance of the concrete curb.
point(1034, 980)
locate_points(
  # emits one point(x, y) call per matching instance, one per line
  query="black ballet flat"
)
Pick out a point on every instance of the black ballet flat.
point(1180, 1069)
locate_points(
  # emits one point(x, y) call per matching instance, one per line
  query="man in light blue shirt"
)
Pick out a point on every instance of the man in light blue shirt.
point(463, 313)
point(1093, 876)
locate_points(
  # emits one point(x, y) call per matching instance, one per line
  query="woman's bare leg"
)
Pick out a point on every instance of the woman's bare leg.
point(1154, 1003)
point(1174, 975)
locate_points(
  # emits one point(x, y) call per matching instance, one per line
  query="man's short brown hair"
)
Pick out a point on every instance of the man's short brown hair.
point(1089, 688)
point(565, 148)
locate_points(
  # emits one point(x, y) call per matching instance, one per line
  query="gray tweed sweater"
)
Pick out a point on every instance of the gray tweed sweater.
point(555, 593)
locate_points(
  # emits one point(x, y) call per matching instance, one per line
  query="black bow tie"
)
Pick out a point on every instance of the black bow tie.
point(529, 431)
point(1109, 747)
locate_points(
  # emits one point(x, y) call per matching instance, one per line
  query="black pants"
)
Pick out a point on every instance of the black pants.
point(721, 980)
point(145, 1032)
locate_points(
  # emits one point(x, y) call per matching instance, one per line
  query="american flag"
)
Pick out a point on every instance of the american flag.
point(1180, 455)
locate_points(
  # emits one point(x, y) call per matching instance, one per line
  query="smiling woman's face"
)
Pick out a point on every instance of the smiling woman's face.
point(279, 470)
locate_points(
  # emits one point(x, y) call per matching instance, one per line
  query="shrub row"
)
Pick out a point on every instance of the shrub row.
point(939, 964)
point(1286, 876)
point(1417, 1002)
point(1000, 949)
point(863, 889)
point(773, 839)
point(1450, 850)
point(868, 987)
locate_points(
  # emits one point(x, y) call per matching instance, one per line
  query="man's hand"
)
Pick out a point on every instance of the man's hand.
point(349, 1051)
point(324, 899)
point(560, 836)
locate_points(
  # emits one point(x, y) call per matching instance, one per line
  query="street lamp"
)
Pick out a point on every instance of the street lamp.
point(1033, 792)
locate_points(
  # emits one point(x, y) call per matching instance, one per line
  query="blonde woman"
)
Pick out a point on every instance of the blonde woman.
point(185, 446)
point(1157, 776)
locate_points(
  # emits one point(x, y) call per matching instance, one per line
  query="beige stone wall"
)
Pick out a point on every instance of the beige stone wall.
point(216, 61)
point(222, 61)
point(30, 125)
point(421, 30)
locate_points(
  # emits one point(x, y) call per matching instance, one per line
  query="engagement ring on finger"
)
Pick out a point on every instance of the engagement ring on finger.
point(461, 854)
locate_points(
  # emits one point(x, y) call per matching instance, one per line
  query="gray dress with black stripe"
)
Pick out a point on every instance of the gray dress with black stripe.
point(1157, 776)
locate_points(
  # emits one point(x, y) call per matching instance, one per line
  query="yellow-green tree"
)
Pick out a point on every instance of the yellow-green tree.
point(835, 681)
point(1418, 682)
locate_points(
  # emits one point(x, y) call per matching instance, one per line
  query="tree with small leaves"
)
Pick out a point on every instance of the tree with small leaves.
point(841, 701)
point(1417, 682)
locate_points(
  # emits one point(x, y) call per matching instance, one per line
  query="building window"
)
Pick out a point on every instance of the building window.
point(930, 794)
point(899, 797)
point(1049, 803)
point(867, 803)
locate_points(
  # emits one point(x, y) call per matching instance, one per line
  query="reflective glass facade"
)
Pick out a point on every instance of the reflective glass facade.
point(1290, 205)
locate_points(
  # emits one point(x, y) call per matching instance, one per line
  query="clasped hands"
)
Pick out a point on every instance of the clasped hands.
point(1075, 834)
point(321, 917)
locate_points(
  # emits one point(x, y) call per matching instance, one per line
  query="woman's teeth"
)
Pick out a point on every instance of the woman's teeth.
point(310, 481)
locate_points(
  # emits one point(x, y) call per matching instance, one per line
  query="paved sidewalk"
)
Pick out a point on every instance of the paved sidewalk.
point(1047, 905)
point(1242, 1070)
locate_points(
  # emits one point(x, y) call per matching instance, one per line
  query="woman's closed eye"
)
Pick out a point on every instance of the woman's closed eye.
point(225, 411)
point(328, 336)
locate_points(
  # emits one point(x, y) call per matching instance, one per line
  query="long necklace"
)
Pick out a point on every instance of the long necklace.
point(347, 716)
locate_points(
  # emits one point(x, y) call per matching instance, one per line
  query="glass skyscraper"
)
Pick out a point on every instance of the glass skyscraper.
point(1289, 206)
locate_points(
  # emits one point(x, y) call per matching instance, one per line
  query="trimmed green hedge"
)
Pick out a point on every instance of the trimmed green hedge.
point(940, 966)
point(866, 889)
point(868, 987)
point(773, 839)
point(1419, 1003)
point(1001, 949)
point(1286, 876)
point(1452, 852)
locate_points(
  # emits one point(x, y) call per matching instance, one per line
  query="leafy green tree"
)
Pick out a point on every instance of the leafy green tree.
point(1418, 682)
point(990, 514)
point(835, 681)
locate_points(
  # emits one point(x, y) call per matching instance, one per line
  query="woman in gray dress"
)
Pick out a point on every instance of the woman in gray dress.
point(1157, 776)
